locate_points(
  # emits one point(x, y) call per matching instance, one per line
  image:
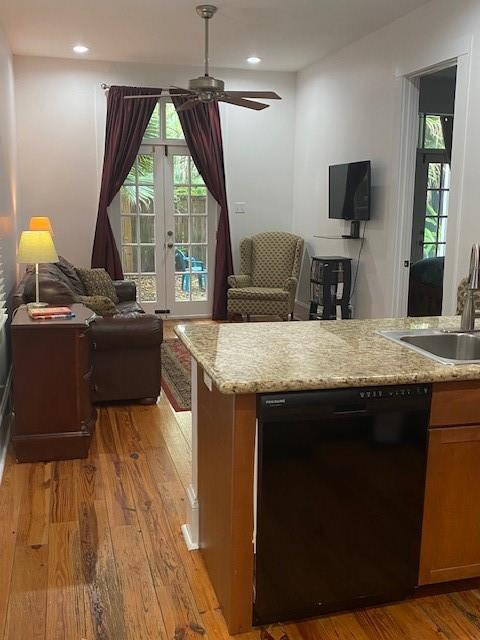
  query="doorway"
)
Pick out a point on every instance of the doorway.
point(167, 224)
point(432, 192)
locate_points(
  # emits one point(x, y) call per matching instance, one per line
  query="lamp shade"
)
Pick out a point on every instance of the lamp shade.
point(35, 247)
point(40, 223)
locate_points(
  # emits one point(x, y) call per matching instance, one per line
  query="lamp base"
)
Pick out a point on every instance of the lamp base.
point(37, 305)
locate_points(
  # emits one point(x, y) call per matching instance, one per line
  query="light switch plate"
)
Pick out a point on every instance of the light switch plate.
point(240, 207)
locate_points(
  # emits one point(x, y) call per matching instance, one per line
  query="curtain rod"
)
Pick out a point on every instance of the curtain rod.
point(105, 86)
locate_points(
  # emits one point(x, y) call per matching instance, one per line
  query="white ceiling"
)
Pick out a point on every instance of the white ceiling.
point(287, 35)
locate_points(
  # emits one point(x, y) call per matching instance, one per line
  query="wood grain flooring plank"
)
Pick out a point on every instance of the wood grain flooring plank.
point(12, 488)
point(123, 425)
point(65, 594)
point(27, 606)
point(35, 507)
point(143, 617)
point(103, 596)
point(106, 435)
point(171, 583)
point(63, 494)
point(118, 492)
point(452, 623)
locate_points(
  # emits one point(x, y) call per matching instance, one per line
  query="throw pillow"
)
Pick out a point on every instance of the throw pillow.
point(101, 305)
point(69, 271)
point(97, 282)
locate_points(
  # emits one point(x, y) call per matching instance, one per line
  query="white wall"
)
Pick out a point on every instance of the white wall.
point(61, 124)
point(349, 109)
point(7, 212)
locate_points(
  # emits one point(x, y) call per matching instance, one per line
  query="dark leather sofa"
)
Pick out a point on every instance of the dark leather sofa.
point(125, 346)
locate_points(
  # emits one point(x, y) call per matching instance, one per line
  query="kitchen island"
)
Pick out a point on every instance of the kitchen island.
point(233, 363)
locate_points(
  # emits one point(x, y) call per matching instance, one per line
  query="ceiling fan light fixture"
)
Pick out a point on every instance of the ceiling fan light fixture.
point(80, 48)
point(253, 60)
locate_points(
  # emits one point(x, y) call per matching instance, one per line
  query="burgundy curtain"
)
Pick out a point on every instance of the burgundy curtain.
point(126, 124)
point(203, 134)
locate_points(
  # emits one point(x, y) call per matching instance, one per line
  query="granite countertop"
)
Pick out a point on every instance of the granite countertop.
point(259, 357)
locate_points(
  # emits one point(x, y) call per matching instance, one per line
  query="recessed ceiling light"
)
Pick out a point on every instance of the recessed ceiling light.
point(80, 48)
point(254, 60)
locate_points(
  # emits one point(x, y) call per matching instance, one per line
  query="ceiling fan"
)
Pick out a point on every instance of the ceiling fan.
point(206, 88)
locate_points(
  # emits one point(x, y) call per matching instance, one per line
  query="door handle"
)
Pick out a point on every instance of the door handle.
point(170, 245)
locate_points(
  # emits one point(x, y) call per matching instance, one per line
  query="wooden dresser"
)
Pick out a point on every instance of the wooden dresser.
point(54, 415)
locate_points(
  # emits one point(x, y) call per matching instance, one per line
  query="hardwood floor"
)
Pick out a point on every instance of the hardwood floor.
point(92, 549)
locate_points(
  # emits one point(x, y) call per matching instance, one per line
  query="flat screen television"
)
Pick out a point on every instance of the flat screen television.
point(349, 191)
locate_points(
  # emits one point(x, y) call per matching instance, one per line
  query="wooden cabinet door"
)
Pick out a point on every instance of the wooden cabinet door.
point(450, 547)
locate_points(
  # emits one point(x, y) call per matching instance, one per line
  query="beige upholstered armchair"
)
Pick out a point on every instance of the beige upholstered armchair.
point(270, 265)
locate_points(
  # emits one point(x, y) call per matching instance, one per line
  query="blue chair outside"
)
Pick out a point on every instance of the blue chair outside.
point(182, 263)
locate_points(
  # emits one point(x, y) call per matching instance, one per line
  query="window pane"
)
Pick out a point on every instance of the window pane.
point(199, 204)
point(153, 127)
point(173, 128)
point(429, 250)
point(148, 288)
point(199, 257)
point(433, 133)
point(145, 168)
point(180, 169)
point(196, 178)
point(147, 229)
point(442, 229)
point(128, 199)
point(147, 259)
point(433, 203)
point(180, 199)
point(199, 286)
point(132, 175)
point(146, 202)
point(446, 176)
point(182, 287)
point(434, 175)
point(445, 203)
point(130, 259)
point(181, 229)
point(199, 229)
point(129, 229)
point(441, 250)
point(182, 259)
point(430, 230)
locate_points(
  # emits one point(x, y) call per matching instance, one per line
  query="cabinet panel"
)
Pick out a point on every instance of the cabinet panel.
point(455, 403)
point(451, 524)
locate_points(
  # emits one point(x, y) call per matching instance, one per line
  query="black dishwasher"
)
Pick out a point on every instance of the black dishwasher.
point(341, 477)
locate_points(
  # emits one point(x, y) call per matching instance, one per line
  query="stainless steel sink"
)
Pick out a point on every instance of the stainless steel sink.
point(448, 348)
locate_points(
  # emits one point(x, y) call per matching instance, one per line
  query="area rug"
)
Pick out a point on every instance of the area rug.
point(176, 371)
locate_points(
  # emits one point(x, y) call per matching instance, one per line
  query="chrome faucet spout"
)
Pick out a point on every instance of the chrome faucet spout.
point(468, 314)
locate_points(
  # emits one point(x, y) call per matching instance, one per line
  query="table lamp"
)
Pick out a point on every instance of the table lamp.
point(40, 223)
point(35, 247)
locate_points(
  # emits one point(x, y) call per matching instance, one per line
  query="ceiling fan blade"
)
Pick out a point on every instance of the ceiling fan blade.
point(189, 104)
point(266, 95)
point(240, 102)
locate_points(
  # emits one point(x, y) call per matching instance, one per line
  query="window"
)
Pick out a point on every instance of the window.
point(164, 124)
point(164, 208)
point(431, 132)
point(436, 214)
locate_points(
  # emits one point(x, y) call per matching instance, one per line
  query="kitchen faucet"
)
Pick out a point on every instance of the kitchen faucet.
point(473, 284)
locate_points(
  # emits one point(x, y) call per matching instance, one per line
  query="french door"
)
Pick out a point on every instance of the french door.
point(168, 223)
